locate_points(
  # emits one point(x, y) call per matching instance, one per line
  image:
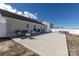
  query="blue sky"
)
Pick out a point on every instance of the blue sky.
point(63, 15)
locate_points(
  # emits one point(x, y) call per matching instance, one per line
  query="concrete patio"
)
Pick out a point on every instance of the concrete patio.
point(51, 44)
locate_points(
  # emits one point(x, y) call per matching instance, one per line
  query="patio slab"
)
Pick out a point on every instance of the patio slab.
point(51, 44)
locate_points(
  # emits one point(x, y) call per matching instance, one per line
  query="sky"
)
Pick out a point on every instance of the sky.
point(61, 15)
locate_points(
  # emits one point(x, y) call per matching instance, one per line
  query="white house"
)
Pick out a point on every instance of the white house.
point(11, 22)
point(49, 25)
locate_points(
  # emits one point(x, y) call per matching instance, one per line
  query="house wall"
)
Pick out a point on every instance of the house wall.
point(3, 31)
point(15, 24)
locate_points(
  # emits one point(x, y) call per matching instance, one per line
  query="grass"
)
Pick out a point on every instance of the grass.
point(73, 45)
point(17, 49)
point(35, 54)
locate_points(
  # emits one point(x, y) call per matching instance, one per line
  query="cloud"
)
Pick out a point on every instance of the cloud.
point(30, 15)
point(36, 14)
point(13, 10)
point(19, 13)
point(7, 7)
point(26, 14)
point(33, 16)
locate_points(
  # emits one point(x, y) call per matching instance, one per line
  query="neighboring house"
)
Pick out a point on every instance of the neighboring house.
point(49, 25)
point(11, 22)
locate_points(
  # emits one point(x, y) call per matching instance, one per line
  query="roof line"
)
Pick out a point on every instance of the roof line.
point(16, 16)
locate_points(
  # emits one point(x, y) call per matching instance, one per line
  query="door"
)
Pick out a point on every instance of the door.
point(8, 29)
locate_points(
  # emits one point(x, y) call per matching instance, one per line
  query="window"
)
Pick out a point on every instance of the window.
point(34, 26)
point(27, 25)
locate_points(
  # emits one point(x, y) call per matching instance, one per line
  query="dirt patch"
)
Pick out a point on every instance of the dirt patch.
point(12, 48)
point(73, 45)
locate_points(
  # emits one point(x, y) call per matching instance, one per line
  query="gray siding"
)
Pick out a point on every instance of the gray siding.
point(14, 24)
